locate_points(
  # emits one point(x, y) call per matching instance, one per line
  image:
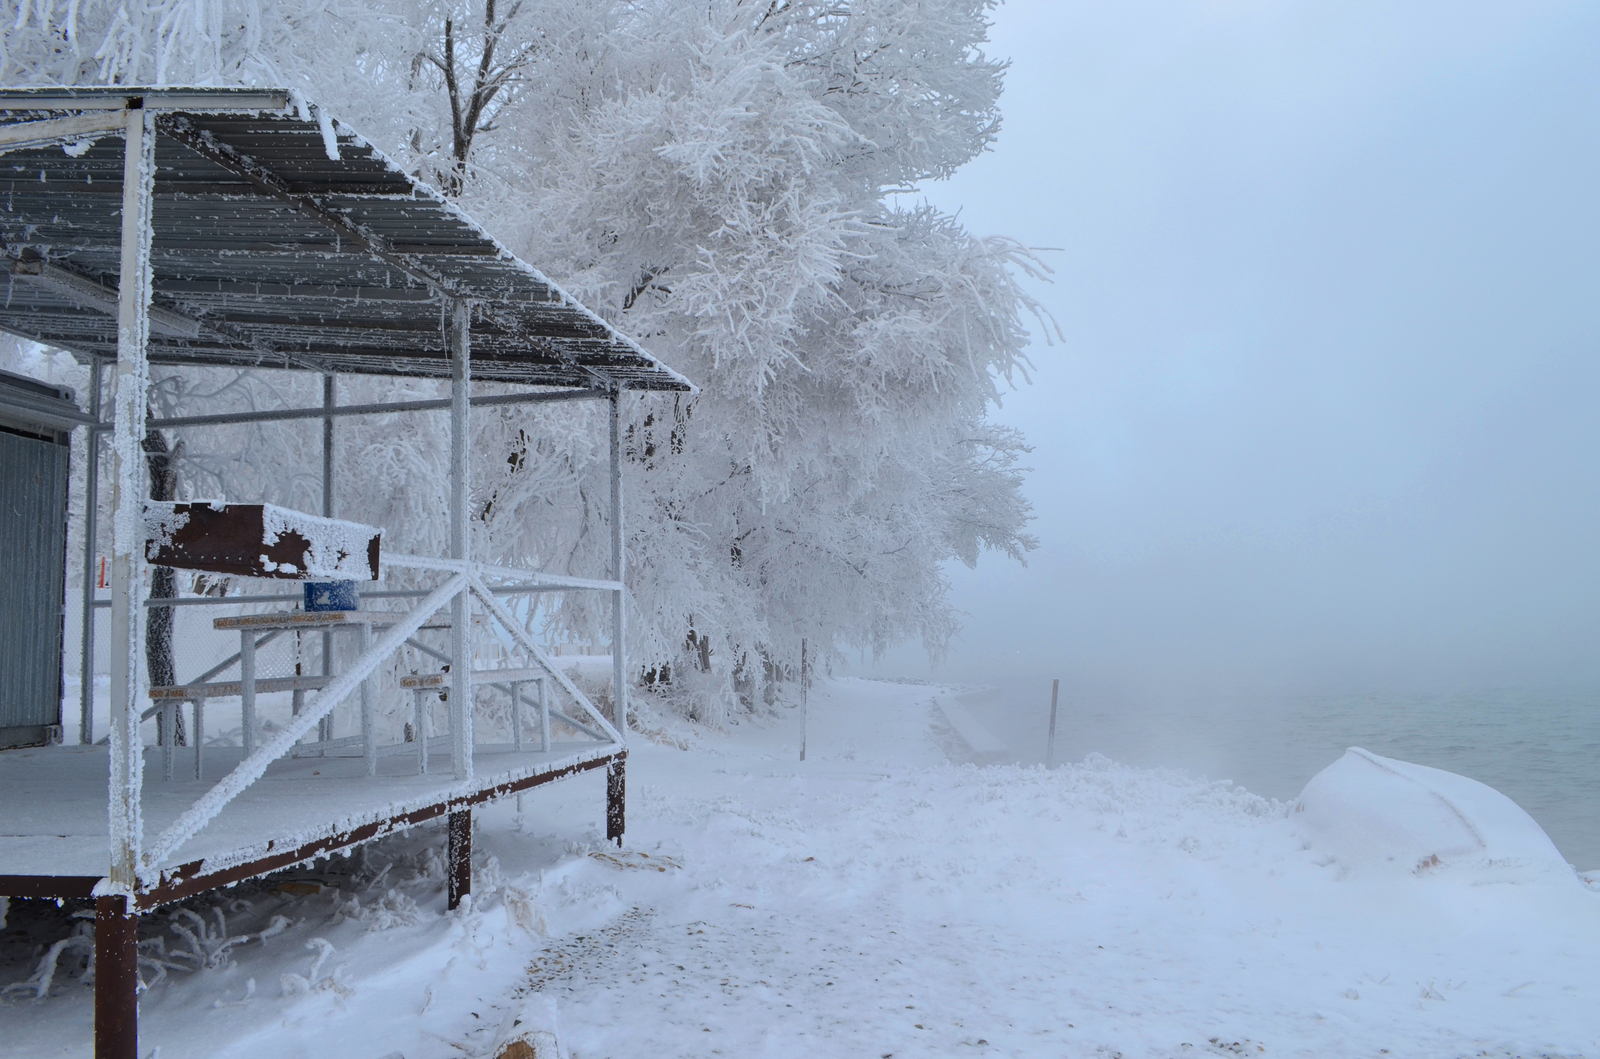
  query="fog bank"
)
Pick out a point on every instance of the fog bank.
point(1325, 412)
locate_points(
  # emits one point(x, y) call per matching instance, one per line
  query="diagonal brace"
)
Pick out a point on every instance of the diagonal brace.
point(520, 634)
point(203, 811)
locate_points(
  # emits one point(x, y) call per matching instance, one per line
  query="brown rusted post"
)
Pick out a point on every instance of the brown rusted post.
point(116, 979)
point(459, 866)
point(616, 798)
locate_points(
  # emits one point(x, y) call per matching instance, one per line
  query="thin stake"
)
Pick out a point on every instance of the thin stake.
point(805, 708)
point(1050, 747)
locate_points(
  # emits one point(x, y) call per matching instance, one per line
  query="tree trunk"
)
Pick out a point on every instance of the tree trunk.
point(163, 582)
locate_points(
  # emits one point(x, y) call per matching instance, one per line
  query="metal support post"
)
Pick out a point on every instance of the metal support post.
point(91, 530)
point(619, 670)
point(116, 979)
point(327, 446)
point(325, 726)
point(199, 737)
point(459, 864)
point(516, 716)
point(129, 394)
point(616, 797)
point(460, 545)
point(247, 690)
point(544, 716)
point(369, 720)
point(167, 722)
point(420, 731)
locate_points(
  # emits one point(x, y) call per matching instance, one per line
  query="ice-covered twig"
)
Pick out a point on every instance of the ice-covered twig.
point(294, 984)
point(39, 982)
point(208, 947)
point(278, 925)
point(324, 949)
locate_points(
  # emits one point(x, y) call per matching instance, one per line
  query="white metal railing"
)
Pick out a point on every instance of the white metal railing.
point(465, 582)
point(510, 573)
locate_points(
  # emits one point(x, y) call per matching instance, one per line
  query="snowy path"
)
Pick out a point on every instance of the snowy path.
point(878, 901)
point(1017, 912)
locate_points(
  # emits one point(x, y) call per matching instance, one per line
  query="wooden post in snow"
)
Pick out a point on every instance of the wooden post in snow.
point(1050, 746)
point(805, 706)
point(458, 863)
point(617, 798)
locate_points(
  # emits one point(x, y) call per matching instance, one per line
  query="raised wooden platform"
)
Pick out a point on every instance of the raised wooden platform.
point(54, 832)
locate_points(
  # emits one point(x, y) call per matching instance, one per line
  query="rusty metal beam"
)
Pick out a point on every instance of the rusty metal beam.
point(190, 879)
point(48, 887)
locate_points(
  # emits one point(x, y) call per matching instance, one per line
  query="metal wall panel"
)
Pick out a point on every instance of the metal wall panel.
point(33, 543)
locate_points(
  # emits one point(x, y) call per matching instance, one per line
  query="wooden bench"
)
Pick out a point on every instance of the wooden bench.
point(293, 619)
point(217, 689)
point(168, 697)
point(510, 680)
point(299, 620)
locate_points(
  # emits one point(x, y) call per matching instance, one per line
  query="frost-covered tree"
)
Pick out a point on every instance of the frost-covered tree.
point(721, 180)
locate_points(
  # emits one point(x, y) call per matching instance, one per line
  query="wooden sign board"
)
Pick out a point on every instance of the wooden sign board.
point(259, 540)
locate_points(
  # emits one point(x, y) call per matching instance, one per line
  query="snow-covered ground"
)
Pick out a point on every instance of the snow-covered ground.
point(879, 900)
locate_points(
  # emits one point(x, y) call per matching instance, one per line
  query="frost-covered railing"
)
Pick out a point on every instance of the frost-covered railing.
point(466, 581)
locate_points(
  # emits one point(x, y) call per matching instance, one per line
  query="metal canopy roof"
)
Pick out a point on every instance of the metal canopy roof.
point(280, 241)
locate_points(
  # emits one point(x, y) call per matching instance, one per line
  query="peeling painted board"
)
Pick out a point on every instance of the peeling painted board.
point(259, 540)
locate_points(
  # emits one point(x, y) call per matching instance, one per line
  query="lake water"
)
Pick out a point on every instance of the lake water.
point(1540, 749)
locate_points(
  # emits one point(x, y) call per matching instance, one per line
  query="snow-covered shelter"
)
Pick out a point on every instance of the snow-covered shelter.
point(243, 228)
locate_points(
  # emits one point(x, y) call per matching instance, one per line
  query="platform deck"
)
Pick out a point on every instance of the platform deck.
point(53, 820)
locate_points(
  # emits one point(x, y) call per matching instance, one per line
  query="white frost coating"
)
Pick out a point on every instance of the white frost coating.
point(130, 388)
point(297, 100)
point(338, 548)
point(426, 562)
point(320, 705)
point(1376, 815)
point(849, 347)
point(161, 521)
point(330, 139)
point(421, 190)
point(354, 137)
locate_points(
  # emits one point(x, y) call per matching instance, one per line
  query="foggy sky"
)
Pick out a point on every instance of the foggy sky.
point(1326, 410)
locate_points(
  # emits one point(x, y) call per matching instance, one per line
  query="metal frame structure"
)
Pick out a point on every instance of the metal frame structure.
point(228, 227)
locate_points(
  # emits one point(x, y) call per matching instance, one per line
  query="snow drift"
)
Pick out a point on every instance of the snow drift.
point(1377, 815)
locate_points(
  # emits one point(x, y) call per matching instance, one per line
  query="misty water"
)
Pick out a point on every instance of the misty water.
point(1541, 749)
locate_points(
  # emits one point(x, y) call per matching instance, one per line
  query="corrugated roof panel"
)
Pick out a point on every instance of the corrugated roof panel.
point(270, 252)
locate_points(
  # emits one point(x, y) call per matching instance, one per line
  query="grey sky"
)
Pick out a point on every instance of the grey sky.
point(1326, 410)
